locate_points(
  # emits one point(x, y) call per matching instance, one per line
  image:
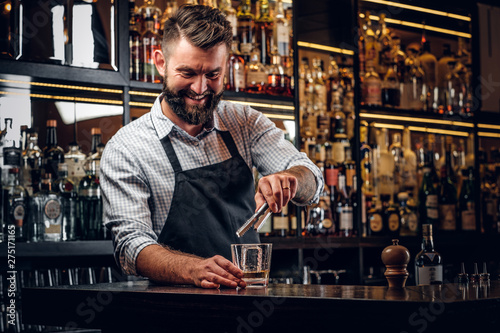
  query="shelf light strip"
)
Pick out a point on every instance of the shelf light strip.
point(415, 119)
point(64, 86)
point(437, 131)
point(265, 105)
point(325, 48)
point(488, 126)
point(279, 116)
point(65, 98)
point(143, 93)
point(140, 104)
point(421, 9)
point(421, 26)
point(389, 126)
point(489, 134)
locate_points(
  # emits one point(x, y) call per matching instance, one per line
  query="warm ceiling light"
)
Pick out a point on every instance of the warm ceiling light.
point(325, 48)
point(389, 126)
point(420, 9)
point(65, 98)
point(437, 131)
point(489, 134)
point(496, 127)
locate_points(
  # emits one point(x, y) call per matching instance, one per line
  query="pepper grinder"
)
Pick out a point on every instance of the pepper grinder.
point(396, 258)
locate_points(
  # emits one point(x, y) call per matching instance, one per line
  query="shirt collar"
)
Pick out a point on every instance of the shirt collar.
point(164, 125)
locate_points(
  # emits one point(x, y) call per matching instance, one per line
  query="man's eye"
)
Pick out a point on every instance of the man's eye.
point(213, 76)
point(187, 74)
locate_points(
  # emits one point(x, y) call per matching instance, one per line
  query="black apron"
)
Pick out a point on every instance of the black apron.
point(209, 204)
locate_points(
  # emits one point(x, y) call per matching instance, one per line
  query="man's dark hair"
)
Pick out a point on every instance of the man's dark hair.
point(203, 26)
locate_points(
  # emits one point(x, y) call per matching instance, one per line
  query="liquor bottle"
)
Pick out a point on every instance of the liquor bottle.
point(397, 153)
point(267, 228)
point(399, 56)
point(281, 31)
point(409, 175)
point(429, 64)
point(391, 218)
point(331, 175)
point(149, 12)
point(414, 89)
point(391, 95)
point(371, 86)
point(32, 163)
point(371, 45)
point(245, 27)
point(15, 205)
point(52, 153)
point(447, 196)
point(75, 162)
point(46, 213)
point(466, 204)
point(454, 91)
point(11, 150)
point(442, 65)
point(256, 74)
point(264, 26)
point(281, 222)
point(375, 220)
point(69, 200)
point(384, 41)
point(227, 9)
point(319, 84)
point(408, 216)
point(430, 159)
point(95, 132)
point(89, 197)
point(170, 8)
point(428, 200)
point(235, 79)
point(349, 169)
point(277, 80)
point(469, 157)
point(292, 212)
point(428, 262)
point(385, 165)
point(134, 44)
point(345, 209)
point(150, 42)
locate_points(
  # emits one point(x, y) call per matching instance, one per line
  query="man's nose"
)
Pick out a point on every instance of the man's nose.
point(199, 86)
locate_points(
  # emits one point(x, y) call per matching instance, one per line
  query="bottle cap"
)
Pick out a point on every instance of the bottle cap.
point(95, 131)
point(51, 123)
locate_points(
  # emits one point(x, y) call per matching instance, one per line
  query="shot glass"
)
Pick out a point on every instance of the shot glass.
point(255, 262)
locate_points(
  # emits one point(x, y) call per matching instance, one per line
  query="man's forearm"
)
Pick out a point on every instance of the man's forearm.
point(306, 183)
point(164, 265)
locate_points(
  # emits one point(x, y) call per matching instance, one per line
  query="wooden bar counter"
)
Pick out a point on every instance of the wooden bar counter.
point(142, 306)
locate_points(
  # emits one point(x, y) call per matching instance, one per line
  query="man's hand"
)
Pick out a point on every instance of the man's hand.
point(216, 271)
point(164, 265)
point(277, 189)
point(296, 183)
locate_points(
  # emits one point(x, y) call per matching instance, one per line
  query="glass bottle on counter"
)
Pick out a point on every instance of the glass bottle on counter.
point(52, 153)
point(15, 205)
point(428, 262)
point(46, 213)
point(69, 199)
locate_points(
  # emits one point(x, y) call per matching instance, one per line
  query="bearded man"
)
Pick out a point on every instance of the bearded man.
point(177, 183)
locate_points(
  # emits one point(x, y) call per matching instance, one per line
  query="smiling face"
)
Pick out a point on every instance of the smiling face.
point(194, 81)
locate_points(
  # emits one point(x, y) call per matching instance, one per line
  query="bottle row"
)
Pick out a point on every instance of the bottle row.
point(410, 76)
point(260, 60)
point(50, 194)
point(402, 186)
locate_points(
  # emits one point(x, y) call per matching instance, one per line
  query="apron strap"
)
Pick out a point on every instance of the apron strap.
point(169, 150)
point(230, 145)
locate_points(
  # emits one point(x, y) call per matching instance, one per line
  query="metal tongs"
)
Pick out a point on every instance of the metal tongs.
point(257, 220)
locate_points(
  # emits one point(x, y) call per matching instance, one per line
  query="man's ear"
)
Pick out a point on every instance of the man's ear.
point(160, 62)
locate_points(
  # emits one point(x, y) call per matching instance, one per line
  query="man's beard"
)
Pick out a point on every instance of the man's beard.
point(194, 114)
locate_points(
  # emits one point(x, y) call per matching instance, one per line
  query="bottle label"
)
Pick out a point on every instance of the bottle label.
point(376, 222)
point(413, 222)
point(52, 209)
point(338, 153)
point(239, 76)
point(469, 217)
point(393, 222)
point(349, 176)
point(373, 92)
point(283, 39)
point(18, 212)
point(346, 218)
point(280, 222)
point(256, 78)
point(429, 274)
point(327, 223)
point(234, 24)
point(431, 205)
point(447, 217)
point(332, 176)
point(75, 168)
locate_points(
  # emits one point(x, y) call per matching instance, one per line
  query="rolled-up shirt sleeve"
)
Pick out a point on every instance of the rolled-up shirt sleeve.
point(125, 196)
point(272, 153)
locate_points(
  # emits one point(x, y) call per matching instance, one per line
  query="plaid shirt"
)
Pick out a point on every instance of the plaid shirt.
point(137, 180)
